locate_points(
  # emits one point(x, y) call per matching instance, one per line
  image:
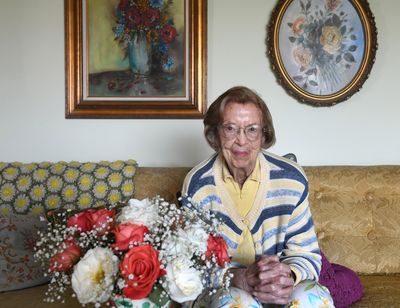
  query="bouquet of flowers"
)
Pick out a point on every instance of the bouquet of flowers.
point(148, 16)
point(325, 44)
point(148, 249)
point(149, 21)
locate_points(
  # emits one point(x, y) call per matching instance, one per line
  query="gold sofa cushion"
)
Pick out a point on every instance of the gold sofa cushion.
point(356, 211)
point(379, 291)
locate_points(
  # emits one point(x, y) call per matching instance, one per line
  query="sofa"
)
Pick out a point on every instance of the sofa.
point(356, 211)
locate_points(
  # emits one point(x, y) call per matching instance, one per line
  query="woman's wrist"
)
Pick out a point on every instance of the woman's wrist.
point(238, 279)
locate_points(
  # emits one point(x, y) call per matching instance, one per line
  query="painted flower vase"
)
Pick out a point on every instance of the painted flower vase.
point(121, 302)
point(139, 54)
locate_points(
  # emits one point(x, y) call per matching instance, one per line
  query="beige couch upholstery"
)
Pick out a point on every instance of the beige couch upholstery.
point(356, 211)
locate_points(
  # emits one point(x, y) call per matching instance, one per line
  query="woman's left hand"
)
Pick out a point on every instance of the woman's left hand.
point(276, 281)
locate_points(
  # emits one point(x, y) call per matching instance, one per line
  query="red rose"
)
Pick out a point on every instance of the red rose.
point(123, 4)
point(81, 220)
point(216, 246)
point(102, 220)
point(134, 17)
point(127, 234)
point(168, 34)
point(64, 260)
point(150, 17)
point(140, 268)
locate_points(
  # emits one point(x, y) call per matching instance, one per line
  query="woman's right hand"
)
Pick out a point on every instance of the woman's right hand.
point(267, 279)
point(247, 278)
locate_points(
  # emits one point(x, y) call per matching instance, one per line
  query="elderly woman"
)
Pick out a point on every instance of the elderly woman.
point(262, 200)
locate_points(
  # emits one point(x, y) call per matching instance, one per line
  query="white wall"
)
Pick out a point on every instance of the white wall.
point(362, 130)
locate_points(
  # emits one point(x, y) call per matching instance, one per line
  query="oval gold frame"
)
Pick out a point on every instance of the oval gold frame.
point(283, 77)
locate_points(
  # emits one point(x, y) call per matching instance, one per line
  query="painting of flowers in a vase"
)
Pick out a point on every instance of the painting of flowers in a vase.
point(322, 44)
point(136, 48)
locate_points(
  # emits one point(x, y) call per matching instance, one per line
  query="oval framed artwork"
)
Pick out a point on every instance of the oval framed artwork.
point(322, 51)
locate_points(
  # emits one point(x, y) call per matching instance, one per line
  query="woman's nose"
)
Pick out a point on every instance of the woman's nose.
point(241, 137)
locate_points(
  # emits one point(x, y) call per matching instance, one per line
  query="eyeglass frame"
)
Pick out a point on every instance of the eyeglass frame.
point(239, 129)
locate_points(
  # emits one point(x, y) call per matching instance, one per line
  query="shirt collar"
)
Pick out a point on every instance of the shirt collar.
point(254, 176)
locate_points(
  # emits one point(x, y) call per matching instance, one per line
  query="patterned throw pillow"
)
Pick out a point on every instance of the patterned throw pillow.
point(27, 191)
point(38, 187)
point(18, 236)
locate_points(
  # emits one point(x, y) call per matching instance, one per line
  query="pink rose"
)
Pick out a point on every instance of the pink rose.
point(127, 234)
point(216, 246)
point(64, 260)
point(332, 4)
point(297, 26)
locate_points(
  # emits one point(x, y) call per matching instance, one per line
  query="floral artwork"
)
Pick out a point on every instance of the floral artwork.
point(127, 253)
point(324, 41)
point(322, 51)
point(135, 59)
point(141, 53)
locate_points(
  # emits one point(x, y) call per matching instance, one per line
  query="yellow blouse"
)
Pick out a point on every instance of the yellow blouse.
point(243, 200)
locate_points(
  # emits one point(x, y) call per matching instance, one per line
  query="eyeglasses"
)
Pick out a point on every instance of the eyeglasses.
point(231, 131)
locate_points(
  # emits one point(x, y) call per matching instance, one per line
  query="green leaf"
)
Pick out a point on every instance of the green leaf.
point(121, 302)
point(353, 37)
point(302, 5)
point(310, 286)
point(310, 72)
point(349, 57)
point(343, 29)
point(298, 78)
point(156, 298)
point(336, 20)
point(353, 48)
point(313, 83)
point(292, 39)
point(290, 24)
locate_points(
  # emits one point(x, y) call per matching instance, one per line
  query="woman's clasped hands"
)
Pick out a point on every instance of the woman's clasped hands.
point(267, 279)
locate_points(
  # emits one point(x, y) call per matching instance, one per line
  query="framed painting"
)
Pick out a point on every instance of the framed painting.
point(322, 51)
point(135, 58)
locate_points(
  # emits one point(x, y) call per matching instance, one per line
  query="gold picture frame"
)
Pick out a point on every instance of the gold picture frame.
point(321, 51)
point(120, 91)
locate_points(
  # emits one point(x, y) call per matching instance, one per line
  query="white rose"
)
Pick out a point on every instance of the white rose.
point(177, 245)
point(93, 276)
point(183, 281)
point(141, 212)
point(197, 237)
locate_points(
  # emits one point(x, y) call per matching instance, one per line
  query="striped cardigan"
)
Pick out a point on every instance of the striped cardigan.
point(280, 220)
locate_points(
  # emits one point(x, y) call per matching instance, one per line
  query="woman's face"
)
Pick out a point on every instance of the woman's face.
point(240, 153)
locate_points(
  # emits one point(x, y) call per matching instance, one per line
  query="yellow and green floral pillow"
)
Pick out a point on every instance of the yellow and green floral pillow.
point(38, 187)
